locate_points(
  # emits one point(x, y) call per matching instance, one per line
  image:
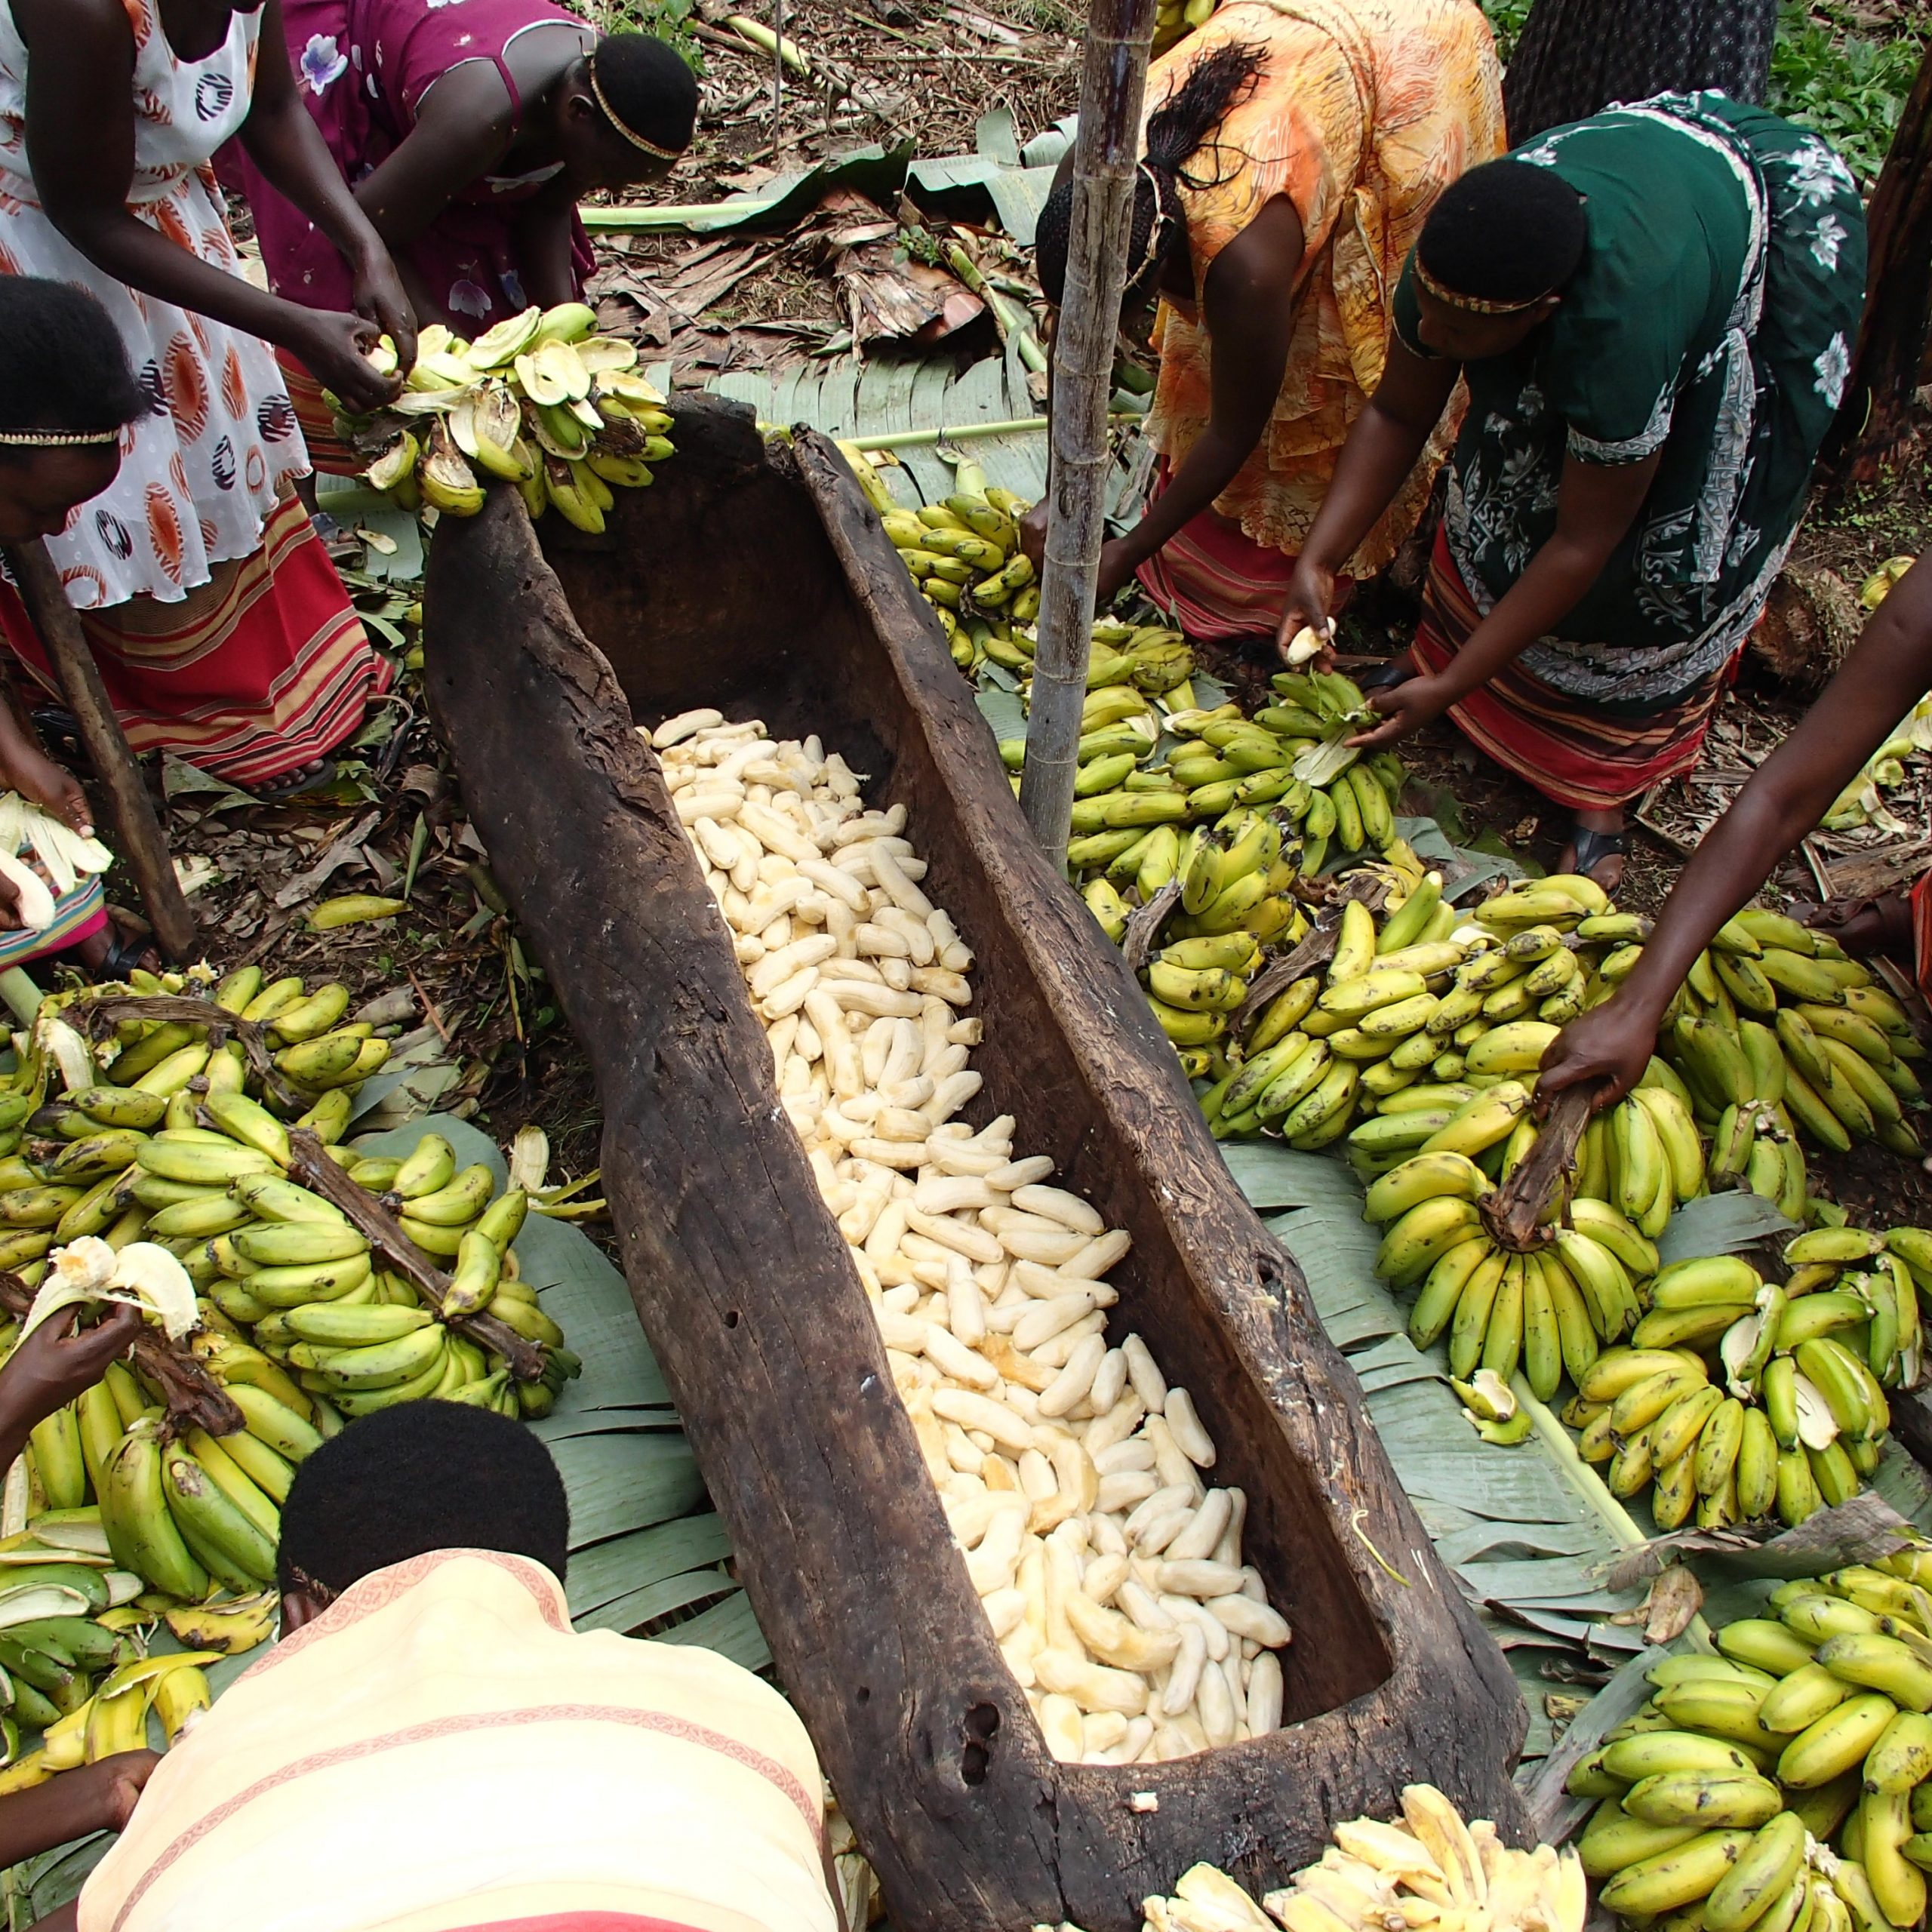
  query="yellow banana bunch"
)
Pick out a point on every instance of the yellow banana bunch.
point(1175, 20)
point(537, 401)
point(1787, 1776)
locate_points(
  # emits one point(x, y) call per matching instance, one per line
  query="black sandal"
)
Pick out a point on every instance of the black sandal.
point(1399, 670)
point(324, 774)
point(125, 951)
point(1594, 847)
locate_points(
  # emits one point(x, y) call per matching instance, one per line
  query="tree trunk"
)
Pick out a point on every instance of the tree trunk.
point(1577, 57)
point(1882, 420)
point(1105, 156)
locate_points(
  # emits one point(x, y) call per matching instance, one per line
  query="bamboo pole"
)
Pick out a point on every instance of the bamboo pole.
point(131, 816)
point(1105, 157)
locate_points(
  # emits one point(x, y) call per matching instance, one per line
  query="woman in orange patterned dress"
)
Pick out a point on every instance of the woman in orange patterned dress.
point(1293, 148)
point(223, 631)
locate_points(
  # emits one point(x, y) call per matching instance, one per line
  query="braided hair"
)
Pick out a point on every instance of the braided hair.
point(1176, 132)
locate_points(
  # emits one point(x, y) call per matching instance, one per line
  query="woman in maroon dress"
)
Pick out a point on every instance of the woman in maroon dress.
point(468, 131)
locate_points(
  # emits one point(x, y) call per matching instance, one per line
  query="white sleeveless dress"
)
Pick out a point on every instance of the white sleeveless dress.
point(199, 477)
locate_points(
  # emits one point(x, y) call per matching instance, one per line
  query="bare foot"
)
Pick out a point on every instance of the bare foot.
point(290, 784)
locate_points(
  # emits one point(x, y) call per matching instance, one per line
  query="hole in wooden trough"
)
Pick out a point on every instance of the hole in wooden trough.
point(730, 1317)
point(982, 1727)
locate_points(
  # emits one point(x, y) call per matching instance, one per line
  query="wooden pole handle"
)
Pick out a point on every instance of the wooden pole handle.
point(1107, 157)
point(131, 816)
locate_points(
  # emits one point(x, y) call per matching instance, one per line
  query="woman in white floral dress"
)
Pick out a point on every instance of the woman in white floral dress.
point(1654, 309)
point(222, 631)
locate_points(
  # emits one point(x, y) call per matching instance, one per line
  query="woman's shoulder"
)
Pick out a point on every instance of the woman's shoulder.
point(1657, 206)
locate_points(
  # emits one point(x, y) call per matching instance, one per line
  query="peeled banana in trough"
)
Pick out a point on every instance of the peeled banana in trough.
point(537, 401)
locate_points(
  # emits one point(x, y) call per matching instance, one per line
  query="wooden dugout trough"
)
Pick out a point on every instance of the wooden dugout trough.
point(755, 578)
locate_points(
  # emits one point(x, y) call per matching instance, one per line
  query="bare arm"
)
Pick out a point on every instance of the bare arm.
point(545, 232)
point(99, 1797)
point(288, 146)
point(1888, 671)
point(1594, 511)
point(80, 148)
point(1388, 438)
point(1248, 306)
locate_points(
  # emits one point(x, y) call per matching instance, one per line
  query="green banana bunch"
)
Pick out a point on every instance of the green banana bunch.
point(1774, 1022)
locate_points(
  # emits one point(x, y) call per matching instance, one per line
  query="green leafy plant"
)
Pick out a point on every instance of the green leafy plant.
point(1506, 18)
point(667, 19)
point(1849, 86)
point(1828, 71)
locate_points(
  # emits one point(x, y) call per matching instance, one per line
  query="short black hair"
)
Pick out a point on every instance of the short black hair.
point(66, 369)
point(422, 1476)
point(1509, 231)
point(1177, 130)
point(649, 88)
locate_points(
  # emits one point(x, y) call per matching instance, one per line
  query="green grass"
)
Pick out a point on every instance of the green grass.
point(1830, 69)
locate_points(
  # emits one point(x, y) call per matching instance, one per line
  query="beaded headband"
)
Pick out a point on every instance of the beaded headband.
point(1474, 304)
point(57, 439)
point(611, 115)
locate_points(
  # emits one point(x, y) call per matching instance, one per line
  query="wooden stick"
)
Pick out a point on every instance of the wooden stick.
point(1105, 158)
point(130, 812)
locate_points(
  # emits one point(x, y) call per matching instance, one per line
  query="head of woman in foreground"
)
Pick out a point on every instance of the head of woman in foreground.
point(405, 1481)
point(625, 113)
point(67, 393)
point(1493, 257)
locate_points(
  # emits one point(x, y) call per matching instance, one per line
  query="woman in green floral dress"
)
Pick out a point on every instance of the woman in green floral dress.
point(1654, 309)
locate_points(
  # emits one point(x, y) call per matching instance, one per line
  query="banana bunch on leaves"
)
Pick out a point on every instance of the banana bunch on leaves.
point(537, 401)
point(1152, 660)
point(1388, 1030)
point(1782, 1785)
point(157, 1493)
point(1861, 802)
point(1144, 773)
point(1782, 1416)
point(1430, 1869)
point(965, 555)
point(81, 1150)
point(1775, 1031)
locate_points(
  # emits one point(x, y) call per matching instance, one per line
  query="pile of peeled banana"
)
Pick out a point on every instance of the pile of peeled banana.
point(537, 401)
